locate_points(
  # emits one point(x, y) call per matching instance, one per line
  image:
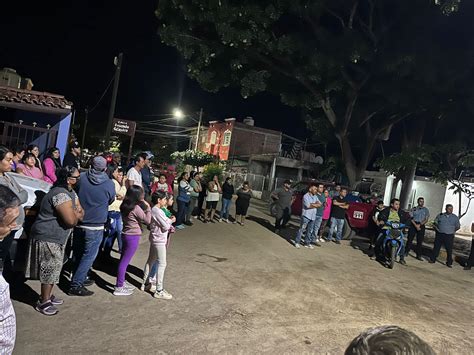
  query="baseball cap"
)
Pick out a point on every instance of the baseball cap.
point(99, 163)
point(287, 182)
point(75, 144)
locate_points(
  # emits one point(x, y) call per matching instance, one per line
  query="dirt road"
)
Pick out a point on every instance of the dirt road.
point(247, 290)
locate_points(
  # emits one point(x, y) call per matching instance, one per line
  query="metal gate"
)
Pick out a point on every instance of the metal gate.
point(15, 134)
point(256, 182)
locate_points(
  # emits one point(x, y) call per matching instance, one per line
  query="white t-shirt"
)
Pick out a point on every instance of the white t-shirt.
point(135, 176)
point(213, 196)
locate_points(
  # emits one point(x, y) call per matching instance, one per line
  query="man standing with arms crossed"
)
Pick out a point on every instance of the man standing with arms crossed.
point(308, 215)
point(283, 200)
point(419, 217)
point(446, 225)
point(338, 215)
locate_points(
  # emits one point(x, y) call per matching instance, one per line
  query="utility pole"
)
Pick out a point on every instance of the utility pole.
point(118, 67)
point(86, 112)
point(199, 128)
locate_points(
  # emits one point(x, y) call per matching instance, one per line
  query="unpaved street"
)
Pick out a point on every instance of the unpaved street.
point(247, 290)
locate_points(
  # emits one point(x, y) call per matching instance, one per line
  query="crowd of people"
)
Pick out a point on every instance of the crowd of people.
point(92, 209)
point(106, 204)
point(323, 219)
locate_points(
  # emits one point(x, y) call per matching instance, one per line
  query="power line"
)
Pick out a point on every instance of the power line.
point(103, 94)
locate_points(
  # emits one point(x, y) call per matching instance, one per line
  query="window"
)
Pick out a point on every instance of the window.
point(227, 136)
point(213, 137)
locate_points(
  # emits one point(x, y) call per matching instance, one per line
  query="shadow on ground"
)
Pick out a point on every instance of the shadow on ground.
point(288, 233)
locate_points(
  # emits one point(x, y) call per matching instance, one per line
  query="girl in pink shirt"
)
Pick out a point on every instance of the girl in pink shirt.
point(28, 167)
point(326, 215)
point(160, 226)
point(50, 163)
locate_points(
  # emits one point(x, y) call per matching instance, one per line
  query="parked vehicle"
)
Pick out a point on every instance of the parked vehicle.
point(393, 242)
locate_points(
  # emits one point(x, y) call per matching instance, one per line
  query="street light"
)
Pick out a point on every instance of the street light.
point(178, 113)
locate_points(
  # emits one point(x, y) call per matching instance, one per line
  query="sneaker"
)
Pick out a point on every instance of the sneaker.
point(419, 258)
point(80, 291)
point(449, 265)
point(227, 221)
point(181, 226)
point(88, 282)
point(337, 241)
point(56, 301)
point(317, 244)
point(297, 245)
point(129, 286)
point(220, 220)
point(188, 223)
point(432, 261)
point(122, 291)
point(195, 217)
point(163, 294)
point(467, 268)
point(309, 246)
point(149, 287)
point(212, 221)
point(403, 262)
point(321, 240)
point(47, 308)
point(205, 221)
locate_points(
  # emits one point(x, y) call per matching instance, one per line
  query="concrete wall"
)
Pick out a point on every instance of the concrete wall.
point(433, 194)
point(453, 199)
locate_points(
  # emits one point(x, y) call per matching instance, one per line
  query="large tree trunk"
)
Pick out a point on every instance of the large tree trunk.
point(412, 139)
point(355, 170)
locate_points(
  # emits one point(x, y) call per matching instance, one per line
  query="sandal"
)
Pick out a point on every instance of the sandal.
point(47, 308)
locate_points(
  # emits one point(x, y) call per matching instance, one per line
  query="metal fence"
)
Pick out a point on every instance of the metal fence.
point(256, 182)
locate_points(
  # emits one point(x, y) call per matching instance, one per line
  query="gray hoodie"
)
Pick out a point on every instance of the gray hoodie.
point(96, 192)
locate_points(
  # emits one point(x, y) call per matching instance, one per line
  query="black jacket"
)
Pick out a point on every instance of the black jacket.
point(383, 215)
point(227, 191)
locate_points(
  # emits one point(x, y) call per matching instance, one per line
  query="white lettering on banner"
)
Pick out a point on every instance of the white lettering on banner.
point(124, 127)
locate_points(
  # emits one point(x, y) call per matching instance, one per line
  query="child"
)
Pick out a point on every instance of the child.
point(161, 226)
point(135, 210)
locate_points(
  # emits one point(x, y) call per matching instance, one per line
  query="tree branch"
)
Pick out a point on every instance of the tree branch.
point(341, 20)
point(369, 117)
point(348, 114)
point(353, 11)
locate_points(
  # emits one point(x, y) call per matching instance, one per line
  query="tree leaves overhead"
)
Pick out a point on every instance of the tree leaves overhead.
point(357, 67)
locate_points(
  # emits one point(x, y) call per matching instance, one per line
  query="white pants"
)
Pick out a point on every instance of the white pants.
point(157, 254)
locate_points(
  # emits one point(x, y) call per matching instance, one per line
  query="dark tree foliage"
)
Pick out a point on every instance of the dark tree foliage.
point(355, 68)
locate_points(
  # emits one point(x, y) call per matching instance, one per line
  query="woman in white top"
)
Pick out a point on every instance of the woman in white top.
point(115, 223)
point(212, 198)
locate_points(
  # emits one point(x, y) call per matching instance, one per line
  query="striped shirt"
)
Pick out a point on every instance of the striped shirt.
point(7, 319)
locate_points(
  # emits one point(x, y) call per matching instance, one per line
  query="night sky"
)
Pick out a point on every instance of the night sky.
point(69, 50)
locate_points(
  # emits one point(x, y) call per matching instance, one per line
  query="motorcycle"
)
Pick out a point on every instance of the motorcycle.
point(394, 241)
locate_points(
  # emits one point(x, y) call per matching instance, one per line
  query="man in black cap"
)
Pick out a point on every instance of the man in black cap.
point(73, 157)
point(283, 198)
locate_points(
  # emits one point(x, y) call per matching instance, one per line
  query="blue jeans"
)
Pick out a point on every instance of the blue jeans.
point(306, 224)
point(86, 245)
point(225, 208)
point(114, 231)
point(316, 225)
point(338, 224)
point(182, 211)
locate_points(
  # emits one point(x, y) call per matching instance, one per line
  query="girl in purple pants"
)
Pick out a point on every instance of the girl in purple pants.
point(135, 211)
